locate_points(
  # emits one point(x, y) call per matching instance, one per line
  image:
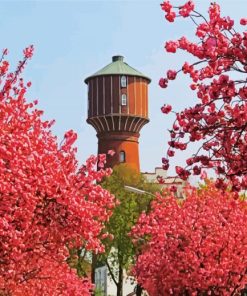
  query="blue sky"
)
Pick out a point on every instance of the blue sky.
point(74, 39)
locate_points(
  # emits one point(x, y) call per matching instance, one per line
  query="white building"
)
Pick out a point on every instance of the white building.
point(105, 284)
point(167, 181)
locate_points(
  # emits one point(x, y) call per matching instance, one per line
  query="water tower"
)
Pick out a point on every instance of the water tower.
point(118, 109)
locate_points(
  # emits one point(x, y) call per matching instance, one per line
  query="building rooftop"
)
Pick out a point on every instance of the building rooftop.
point(118, 66)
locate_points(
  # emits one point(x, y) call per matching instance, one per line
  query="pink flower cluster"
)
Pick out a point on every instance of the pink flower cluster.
point(194, 247)
point(219, 117)
point(184, 10)
point(48, 204)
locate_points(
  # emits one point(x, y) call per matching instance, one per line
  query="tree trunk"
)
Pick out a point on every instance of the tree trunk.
point(138, 290)
point(93, 267)
point(120, 282)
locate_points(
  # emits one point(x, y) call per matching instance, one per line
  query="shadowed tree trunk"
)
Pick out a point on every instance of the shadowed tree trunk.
point(94, 262)
point(139, 290)
point(120, 282)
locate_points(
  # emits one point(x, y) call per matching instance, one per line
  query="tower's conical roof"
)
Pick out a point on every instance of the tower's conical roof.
point(118, 67)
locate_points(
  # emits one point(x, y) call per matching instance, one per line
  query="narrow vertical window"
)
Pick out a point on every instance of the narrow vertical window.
point(88, 103)
point(100, 278)
point(124, 100)
point(122, 156)
point(123, 81)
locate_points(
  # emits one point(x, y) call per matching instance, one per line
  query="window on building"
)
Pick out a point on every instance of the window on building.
point(123, 81)
point(122, 156)
point(88, 104)
point(124, 100)
point(99, 278)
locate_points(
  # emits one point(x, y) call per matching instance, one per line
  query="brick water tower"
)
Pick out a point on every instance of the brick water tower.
point(118, 109)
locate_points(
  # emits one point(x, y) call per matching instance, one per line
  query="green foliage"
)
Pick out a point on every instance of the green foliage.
point(120, 251)
point(77, 259)
point(98, 292)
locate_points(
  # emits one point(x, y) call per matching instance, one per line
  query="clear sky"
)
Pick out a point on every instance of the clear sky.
point(74, 39)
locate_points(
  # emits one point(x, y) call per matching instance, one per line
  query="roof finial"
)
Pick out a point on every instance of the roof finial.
point(117, 58)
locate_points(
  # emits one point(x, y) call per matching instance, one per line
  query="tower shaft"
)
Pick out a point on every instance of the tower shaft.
point(124, 144)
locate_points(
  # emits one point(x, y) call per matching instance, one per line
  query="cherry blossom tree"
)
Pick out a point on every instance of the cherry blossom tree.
point(218, 77)
point(48, 204)
point(194, 247)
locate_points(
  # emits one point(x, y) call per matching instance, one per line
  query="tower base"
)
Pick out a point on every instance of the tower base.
point(124, 144)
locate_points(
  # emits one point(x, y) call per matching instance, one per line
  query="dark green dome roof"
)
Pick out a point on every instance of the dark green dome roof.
point(118, 67)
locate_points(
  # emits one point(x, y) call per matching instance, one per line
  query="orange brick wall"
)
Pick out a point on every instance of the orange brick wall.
point(127, 142)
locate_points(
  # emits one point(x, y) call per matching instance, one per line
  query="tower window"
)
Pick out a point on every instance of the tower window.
point(124, 100)
point(123, 81)
point(88, 105)
point(122, 156)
